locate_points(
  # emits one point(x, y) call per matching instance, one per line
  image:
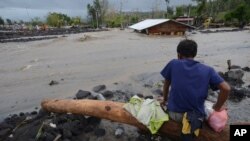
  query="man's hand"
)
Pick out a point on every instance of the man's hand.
point(223, 95)
point(162, 101)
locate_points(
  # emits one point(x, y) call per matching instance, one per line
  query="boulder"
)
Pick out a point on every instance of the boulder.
point(108, 94)
point(236, 74)
point(119, 131)
point(4, 132)
point(150, 97)
point(99, 88)
point(247, 69)
point(100, 132)
point(237, 94)
point(81, 94)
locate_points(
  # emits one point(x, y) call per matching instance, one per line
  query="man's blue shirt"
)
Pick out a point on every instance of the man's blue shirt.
point(190, 81)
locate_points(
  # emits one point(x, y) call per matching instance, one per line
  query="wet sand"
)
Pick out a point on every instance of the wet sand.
point(103, 58)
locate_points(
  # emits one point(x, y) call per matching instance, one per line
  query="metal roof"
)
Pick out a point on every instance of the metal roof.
point(152, 22)
point(147, 23)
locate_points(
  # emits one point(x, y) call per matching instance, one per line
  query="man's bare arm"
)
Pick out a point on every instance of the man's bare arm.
point(224, 92)
point(165, 90)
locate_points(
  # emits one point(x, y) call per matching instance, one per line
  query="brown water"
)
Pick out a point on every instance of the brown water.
point(105, 58)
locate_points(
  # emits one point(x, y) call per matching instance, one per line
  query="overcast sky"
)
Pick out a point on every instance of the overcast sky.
point(28, 9)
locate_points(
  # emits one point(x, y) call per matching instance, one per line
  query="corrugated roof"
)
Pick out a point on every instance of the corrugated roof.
point(152, 22)
point(148, 23)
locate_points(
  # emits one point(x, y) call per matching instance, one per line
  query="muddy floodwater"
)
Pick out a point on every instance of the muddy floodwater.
point(82, 61)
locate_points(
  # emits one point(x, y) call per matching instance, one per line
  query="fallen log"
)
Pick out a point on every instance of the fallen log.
point(114, 111)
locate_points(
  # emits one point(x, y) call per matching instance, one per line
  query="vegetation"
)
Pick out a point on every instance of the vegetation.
point(100, 13)
point(36, 21)
point(1, 21)
point(241, 14)
point(57, 19)
point(97, 11)
point(75, 21)
point(9, 21)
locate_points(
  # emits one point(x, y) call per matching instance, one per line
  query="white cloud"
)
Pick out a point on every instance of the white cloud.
point(27, 9)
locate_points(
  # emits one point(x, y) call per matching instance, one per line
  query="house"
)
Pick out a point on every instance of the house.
point(161, 27)
point(186, 20)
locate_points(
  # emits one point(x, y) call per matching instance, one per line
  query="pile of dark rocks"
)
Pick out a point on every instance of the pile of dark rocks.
point(234, 77)
point(223, 30)
point(41, 125)
point(32, 35)
point(44, 126)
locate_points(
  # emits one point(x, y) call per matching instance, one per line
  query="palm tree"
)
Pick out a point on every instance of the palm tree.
point(167, 4)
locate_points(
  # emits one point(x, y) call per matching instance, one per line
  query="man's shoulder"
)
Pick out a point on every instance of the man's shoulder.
point(174, 61)
point(205, 66)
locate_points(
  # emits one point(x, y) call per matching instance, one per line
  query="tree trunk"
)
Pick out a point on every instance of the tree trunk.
point(114, 111)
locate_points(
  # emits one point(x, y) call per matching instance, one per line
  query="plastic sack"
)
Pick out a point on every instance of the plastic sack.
point(216, 120)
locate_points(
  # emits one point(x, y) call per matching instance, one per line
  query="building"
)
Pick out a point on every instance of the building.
point(161, 27)
point(185, 20)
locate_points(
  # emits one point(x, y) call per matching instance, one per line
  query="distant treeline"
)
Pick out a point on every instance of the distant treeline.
point(101, 13)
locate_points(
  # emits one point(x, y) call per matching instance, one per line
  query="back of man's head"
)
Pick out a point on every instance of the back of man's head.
point(187, 48)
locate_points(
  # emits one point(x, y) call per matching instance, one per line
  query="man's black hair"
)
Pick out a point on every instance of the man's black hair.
point(187, 48)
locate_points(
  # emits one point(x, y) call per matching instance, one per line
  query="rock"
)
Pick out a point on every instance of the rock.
point(42, 113)
point(119, 132)
point(66, 133)
point(5, 125)
point(33, 113)
point(236, 74)
point(100, 132)
point(82, 94)
point(88, 129)
point(48, 136)
point(237, 94)
point(234, 77)
point(247, 69)
point(53, 82)
point(108, 94)
point(4, 132)
point(100, 97)
point(93, 121)
point(221, 74)
point(76, 131)
point(235, 67)
point(92, 97)
point(99, 88)
point(21, 114)
point(150, 97)
point(140, 95)
point(157, 91)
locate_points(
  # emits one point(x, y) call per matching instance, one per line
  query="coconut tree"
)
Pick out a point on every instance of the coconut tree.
point(167, 4)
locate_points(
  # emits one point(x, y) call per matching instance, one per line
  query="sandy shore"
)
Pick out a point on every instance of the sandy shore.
point(103, 58)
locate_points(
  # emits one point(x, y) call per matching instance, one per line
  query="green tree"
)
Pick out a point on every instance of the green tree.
point(36, 21)
point(241, 13)
point(97, 11)
point(57, 19)
point(179, 11)
point(167, 7)
point(1, 21)
point(75, 21)
point(134, 19)
point(9, 21)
